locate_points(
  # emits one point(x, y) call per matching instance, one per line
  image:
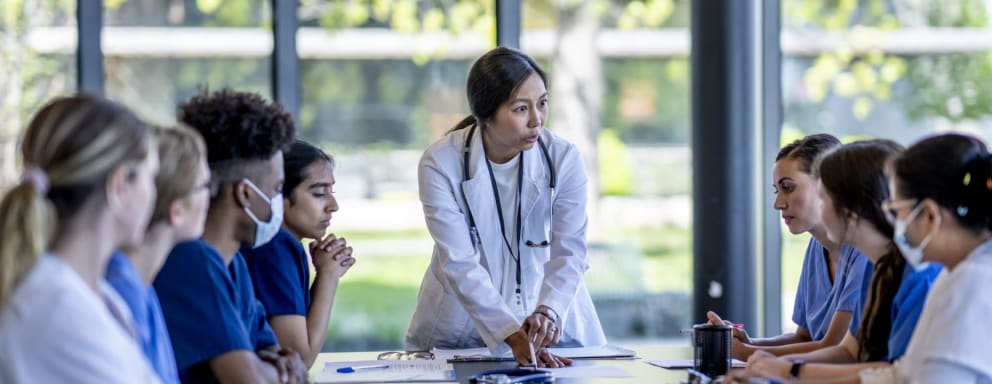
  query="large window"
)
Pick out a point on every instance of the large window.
point(888, 69)
point(619, 74)
point(37, 62)
point(160, 53)
point(380, 83)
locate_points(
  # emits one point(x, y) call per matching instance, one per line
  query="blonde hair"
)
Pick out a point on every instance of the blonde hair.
point(181, 151)
point(75, 143)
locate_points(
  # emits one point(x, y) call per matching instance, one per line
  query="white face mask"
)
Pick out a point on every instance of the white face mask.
point(913, 255)
point(266, 230)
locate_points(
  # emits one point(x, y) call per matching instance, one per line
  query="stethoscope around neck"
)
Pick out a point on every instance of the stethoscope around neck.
point(552, 183)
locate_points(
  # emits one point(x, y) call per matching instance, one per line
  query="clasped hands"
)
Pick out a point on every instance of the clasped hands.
point(288, 364)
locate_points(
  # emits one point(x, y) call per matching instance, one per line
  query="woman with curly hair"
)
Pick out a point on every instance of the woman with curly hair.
point(218, 329)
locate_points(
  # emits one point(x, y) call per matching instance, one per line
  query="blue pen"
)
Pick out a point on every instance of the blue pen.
point(354, 369)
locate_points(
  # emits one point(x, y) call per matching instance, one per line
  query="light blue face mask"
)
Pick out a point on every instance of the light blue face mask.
point(266, 230)
point(913, 255)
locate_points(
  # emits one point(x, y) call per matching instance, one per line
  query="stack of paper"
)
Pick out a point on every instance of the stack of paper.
point(387, 371)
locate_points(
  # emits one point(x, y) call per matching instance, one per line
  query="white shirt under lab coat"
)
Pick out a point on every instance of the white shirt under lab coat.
point(461, 303)
point(952, 335)
point(55, 329)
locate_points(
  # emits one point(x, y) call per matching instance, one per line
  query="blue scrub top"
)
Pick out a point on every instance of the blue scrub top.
point(210, 308)
point(281, 275)
point(906, 306)
point(149, 322)
point(818, 299)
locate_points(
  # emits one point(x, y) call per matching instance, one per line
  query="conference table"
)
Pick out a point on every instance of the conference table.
point(642, 371)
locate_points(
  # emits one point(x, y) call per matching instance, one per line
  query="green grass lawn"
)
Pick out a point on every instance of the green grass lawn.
point(377, 296)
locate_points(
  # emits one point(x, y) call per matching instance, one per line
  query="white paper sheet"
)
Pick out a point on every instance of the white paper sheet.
point(688, 363)
point(601, 352)
point(588, 371)
point(399, 371)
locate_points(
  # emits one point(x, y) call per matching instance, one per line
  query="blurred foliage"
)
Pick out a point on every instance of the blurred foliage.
point(620, 14)
point(615, 165)
point(866, 76)
point(790, 134)
point(189, 13)
point(644, 104)
point(407, 16)
point(392, 98)
point(948, 86)
point(362, 102)
point(952, 86)
point(28, 77)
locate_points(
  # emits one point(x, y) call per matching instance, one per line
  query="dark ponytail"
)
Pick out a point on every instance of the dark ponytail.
point(955, 171)
point(468, 121)
point(854, 177)
point(876, 319)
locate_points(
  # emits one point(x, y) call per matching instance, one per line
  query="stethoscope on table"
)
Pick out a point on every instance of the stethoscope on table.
point(552, 183)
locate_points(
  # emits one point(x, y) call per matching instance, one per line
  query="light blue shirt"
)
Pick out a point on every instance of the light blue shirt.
point(818, 298)
point(153, 337)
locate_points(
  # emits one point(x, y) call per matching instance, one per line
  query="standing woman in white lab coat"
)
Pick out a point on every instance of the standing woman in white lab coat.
point(505, 202)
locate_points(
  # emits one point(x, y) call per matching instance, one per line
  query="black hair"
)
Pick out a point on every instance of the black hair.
point(854, 177)
point(240, 130)
point(952, 169)
point(492, 80)
point(807, 149)
point(298, 157)
point(238, 126)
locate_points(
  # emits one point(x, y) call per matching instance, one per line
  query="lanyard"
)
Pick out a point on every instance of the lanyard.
point(499, 211)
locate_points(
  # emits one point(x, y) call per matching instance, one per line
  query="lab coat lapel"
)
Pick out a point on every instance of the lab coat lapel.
point(481, 200)
point(534, 175)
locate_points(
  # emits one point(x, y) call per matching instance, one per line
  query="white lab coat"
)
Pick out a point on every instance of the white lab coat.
point(460, 304)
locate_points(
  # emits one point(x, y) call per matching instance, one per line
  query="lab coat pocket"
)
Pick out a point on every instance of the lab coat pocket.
point(537, 242)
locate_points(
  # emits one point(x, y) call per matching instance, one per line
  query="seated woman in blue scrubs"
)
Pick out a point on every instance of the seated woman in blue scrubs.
point(217, 326)
point(853, 187)
point(299, 312)
point(832, 275)
point(180, 208)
